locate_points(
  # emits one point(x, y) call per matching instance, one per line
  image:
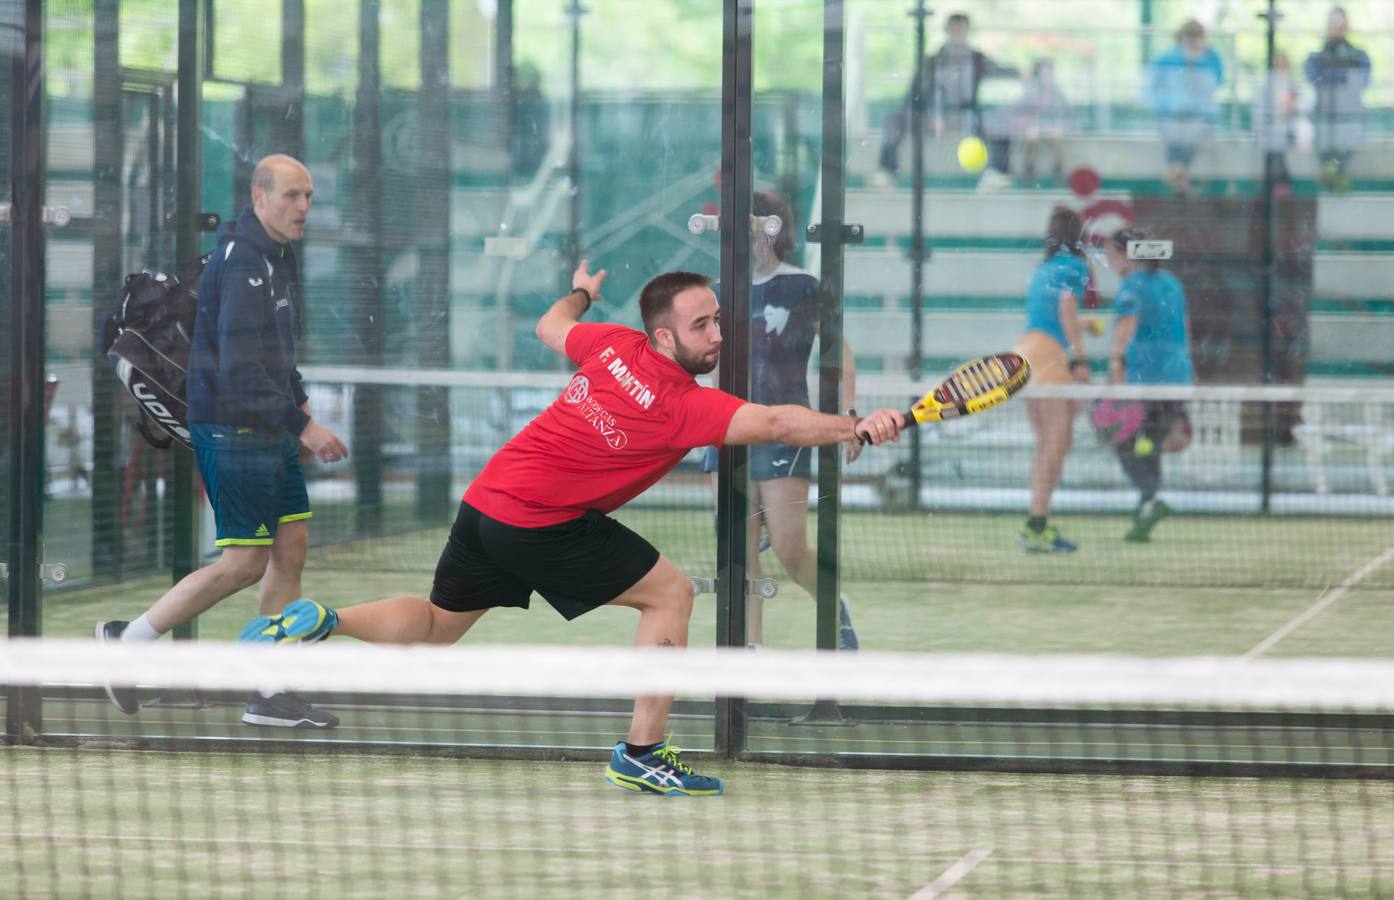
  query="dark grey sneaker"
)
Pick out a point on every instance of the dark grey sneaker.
point(122, 697)
point(286, 711)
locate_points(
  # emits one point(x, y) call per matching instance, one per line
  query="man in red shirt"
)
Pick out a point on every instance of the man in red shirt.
point(536, 518)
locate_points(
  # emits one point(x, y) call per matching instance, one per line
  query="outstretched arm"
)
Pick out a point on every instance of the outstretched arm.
point(556, 323)
point(800, 426)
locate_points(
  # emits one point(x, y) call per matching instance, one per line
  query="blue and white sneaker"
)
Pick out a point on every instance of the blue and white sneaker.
point(303, 621)
point(846, 634)
point(659, 771)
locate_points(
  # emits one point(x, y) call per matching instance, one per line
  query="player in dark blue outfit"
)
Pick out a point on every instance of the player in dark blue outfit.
point(784, 324)
point(250, 423)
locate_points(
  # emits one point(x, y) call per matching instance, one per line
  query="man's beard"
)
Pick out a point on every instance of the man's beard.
point(691, 360)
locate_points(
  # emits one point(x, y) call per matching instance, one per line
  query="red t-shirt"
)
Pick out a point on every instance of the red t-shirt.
point(627, 417)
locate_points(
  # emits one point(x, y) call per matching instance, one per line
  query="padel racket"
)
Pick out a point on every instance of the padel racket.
point(976, 385)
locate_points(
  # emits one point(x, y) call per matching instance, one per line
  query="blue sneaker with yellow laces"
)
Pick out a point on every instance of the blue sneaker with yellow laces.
point(660, 771)
point(302, 621)
point(1047, 540)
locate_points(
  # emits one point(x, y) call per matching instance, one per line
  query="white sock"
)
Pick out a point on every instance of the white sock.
point(140, 630)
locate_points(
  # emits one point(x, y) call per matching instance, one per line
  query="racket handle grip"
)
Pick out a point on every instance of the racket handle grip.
point(910, 422)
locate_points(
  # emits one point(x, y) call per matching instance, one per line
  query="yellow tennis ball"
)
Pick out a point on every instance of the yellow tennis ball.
point(1143, 446)
point(1097, 326)
point(972, 154)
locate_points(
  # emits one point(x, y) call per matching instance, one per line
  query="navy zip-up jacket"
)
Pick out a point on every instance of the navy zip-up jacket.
point(242, 361)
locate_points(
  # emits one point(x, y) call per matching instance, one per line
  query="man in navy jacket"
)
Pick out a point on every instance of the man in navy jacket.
point(250, 423)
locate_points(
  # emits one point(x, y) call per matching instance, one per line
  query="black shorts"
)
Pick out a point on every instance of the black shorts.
point(576, 566)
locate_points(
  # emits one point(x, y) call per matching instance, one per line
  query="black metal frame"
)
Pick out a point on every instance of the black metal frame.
point(830, 287)
point(917, 247)
point(434, 499)
point(365, 217)
point(1268, 279)
point(23, 709)
point(188, 207)
point(107, 259)
point(574, 12)
point(733, 498)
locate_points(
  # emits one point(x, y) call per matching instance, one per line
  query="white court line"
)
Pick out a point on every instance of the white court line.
point(952, 875)
point(1324, 601)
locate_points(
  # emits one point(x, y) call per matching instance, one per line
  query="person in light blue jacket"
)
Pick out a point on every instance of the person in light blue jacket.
point(1181, 89)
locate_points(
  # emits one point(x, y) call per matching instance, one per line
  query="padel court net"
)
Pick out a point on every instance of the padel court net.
point(477, 771)
point(1267, 486)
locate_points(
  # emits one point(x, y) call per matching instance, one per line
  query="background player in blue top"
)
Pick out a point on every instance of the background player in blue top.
point(784, 323)
point(1151, 345)
point(1054, 346)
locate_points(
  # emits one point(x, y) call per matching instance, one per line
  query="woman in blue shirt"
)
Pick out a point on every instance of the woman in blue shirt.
point(1151, 345)
point(1054, 346)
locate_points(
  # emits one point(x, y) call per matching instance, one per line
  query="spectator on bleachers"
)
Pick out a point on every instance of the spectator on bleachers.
point(949, 82)
point(1181, 90)
point(1275, 119)
point(1041, 117)
point(1054, 346)
point(531, 120)
point(1340, 73)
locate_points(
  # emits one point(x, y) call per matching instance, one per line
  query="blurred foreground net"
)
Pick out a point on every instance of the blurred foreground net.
point(477, 772)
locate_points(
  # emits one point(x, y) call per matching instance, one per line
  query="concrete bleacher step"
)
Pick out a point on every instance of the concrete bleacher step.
point(959, 215)
point(885, 271)
point(1137, 155)
point(953, 334)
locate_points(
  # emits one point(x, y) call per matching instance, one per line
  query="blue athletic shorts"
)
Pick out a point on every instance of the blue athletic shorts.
point(254, 482)
point(770, 461)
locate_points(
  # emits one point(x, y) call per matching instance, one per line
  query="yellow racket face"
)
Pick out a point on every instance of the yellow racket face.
point(976, 385)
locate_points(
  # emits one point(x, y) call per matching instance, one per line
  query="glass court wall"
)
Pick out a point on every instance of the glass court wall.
point(466, 155)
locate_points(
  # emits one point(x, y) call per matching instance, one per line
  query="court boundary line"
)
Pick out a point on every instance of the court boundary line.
point(1323, 602)
point(952, 875)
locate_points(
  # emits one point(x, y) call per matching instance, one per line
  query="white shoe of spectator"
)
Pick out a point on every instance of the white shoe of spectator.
point(994, 180)
point(880, 179)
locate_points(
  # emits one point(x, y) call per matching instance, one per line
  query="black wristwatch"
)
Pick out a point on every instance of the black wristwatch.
point(584, 293)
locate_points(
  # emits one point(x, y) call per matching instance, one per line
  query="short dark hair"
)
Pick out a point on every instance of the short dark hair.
point(1064, 231)
point(1190, 29)
point(765, 203)
point(1122, 236)
point(656, 299)
point(956, 19)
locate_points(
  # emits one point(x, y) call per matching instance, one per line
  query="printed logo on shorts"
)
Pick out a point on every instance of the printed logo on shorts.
point(255, 282)
point(578, 390)
point(263, 531)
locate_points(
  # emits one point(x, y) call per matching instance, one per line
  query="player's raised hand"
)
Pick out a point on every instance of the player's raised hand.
point(582, 278)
